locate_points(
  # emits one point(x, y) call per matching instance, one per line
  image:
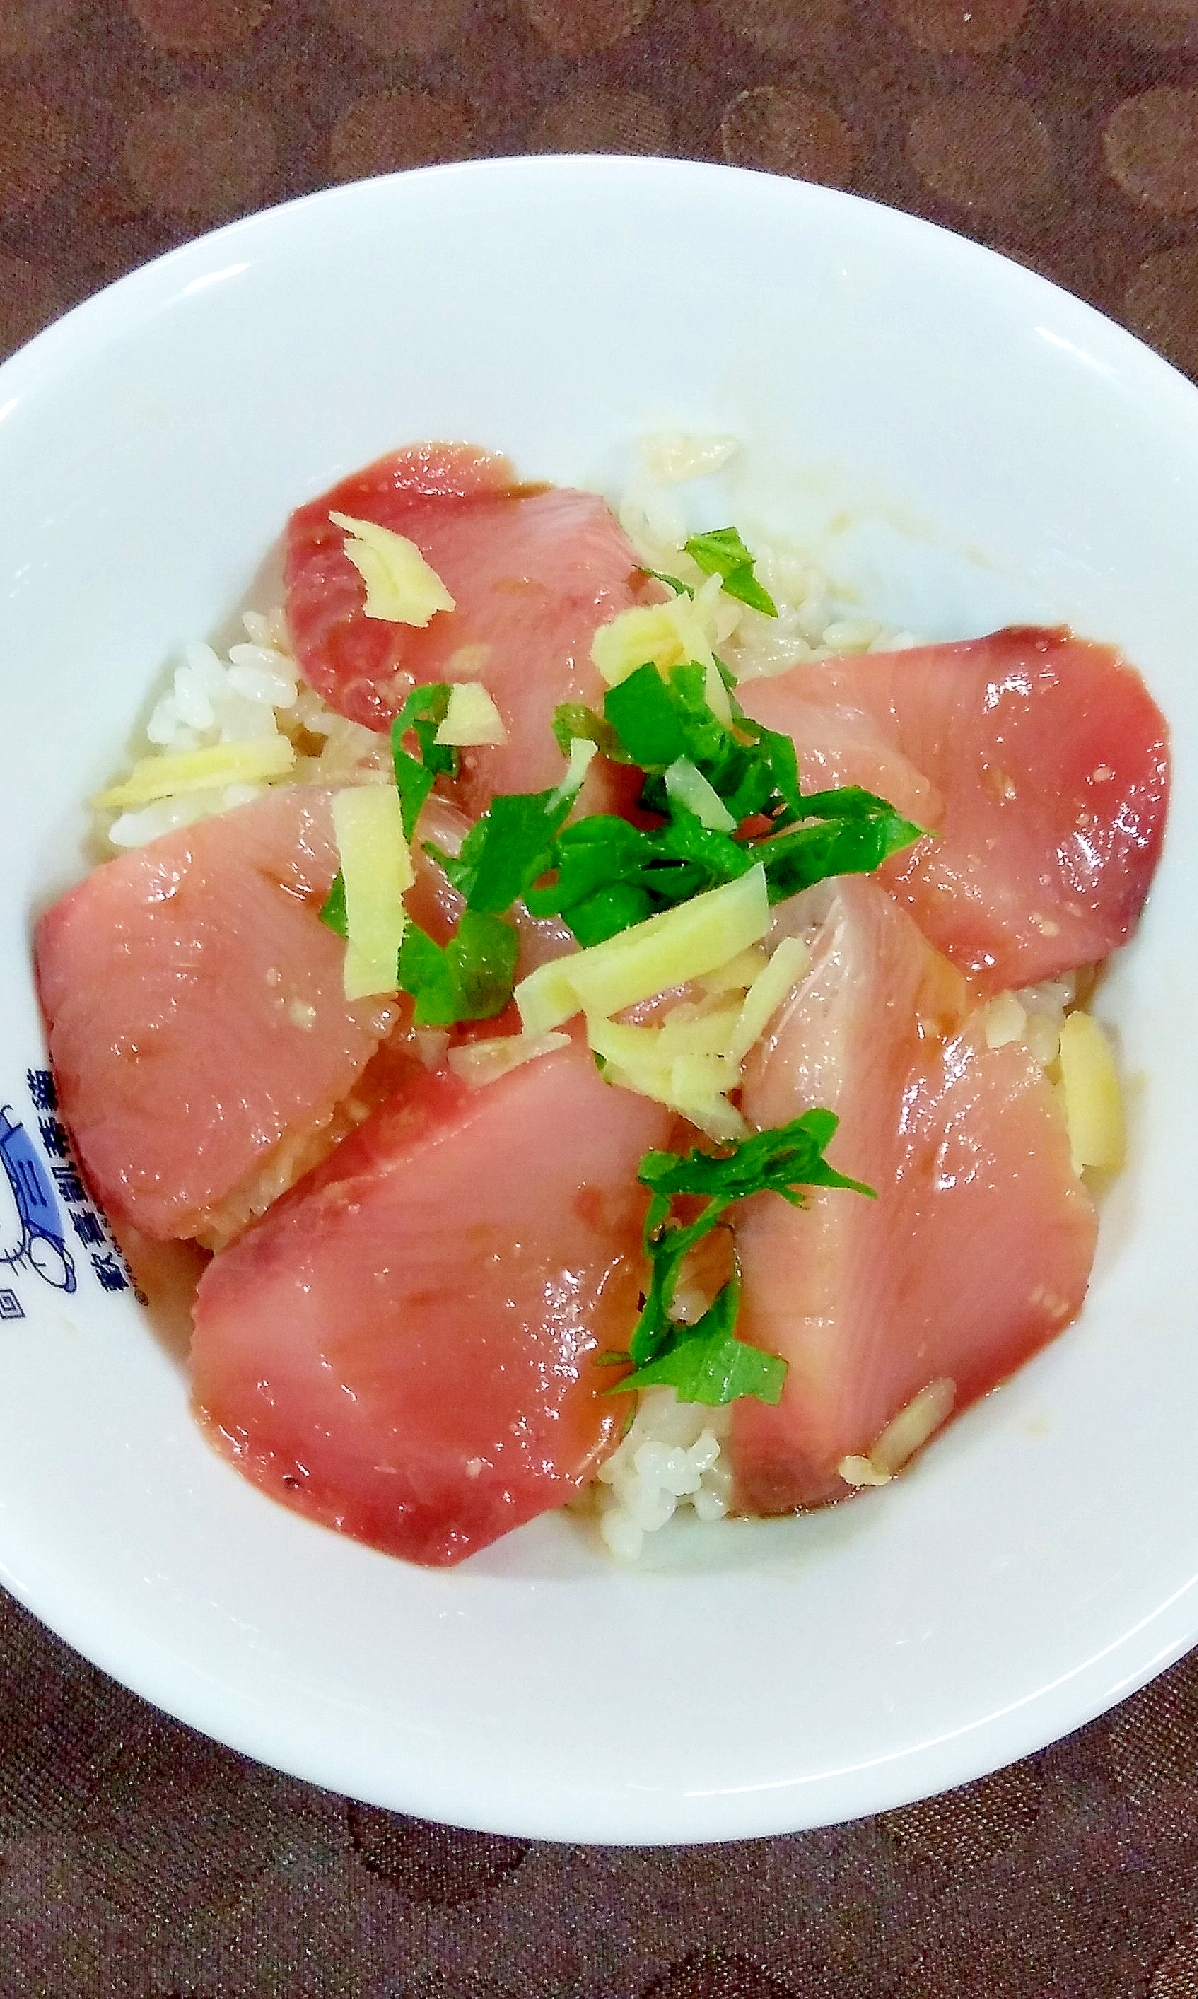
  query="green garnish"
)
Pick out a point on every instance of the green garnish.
point(602, 874)
point(674, 583)
point(572, 722)
point(752, 768)
point(470, 978)
point(332, 910)
point(723, 553)
point(706, 1362)
point(506, 849)
point(422, 713)
point(608, 874)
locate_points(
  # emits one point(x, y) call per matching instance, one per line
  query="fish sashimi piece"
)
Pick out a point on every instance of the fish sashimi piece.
point(1052, 762)
point(533, 572)
point(197, 1022)
point(978, 1247)
point(840, 745)
point(403, 1348)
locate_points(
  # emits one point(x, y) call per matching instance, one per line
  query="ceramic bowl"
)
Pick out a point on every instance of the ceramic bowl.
point(962, 446)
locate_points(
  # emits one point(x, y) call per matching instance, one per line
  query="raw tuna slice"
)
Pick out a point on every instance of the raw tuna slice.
point(197, 1024)
point(533, 572)
point(978, 1247)
point(1053, 765)
point(402, 1347)
point(841, 745)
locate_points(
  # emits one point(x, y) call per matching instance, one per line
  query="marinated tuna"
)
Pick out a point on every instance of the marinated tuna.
point(1050, 761)
point(404, 1347)
point(532, 571)
point(197, 1022)
point(977, 1249)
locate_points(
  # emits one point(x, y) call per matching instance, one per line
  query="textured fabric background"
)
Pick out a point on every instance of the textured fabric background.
point(134, 1857)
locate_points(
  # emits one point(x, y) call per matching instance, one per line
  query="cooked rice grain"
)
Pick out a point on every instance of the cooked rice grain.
point(670, 1457)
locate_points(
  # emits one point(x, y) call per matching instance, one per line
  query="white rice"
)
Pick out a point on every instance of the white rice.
point(810, 624)
point(670, 1457)
point(250, 695)
point(1033, 1015)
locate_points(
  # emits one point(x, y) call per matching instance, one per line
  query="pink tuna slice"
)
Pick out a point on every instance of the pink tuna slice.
point(198, 1027)
point(1049, 767)
point(978, 1247)
point(402, 1349)
point(533, 573)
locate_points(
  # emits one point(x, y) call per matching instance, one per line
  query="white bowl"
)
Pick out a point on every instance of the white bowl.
point(965, 445)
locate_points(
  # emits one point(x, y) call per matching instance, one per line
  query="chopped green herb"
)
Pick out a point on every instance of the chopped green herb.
point(707, 1363)
point(470, 978)
point(854, 844)
point(413, 781)
point(752, 769)
point(673, 583)
point(573, 722)
point(502, 855)
point(422, 714)
point(783, 1161)
point(647, 714)
point(332, 909)
point(508, 848)
point(604, 874)
point(723, 553)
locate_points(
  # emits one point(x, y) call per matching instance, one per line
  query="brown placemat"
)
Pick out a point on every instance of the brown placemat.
point(137, 1859)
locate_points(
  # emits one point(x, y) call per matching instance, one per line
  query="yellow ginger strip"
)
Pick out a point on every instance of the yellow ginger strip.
point(738, 974)
point(376, 868)
point(694, 1030)
point(766, 994)
point(650, 957)
point(471, 717)
point(400, 586)
point(481, 1062)
point(856, 1470)
point(690, 1083)
point(153, 777)
point(686, 785)
point(698, 1083)
point(662, 635)
point(1090, 1086)
point(905, 1434)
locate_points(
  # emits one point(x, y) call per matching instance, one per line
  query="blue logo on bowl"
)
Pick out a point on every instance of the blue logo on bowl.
point(31, 1227)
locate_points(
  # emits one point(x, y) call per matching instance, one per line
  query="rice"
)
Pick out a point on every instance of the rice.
point(811, 623)
point(250, 695)
point(669, 1457)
